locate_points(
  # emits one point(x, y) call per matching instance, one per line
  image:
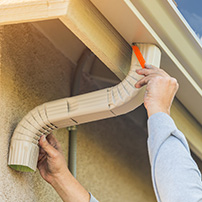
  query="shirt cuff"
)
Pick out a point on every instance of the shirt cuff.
point(92, 198)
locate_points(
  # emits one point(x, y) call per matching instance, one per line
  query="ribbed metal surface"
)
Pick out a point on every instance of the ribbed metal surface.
point(126, 91)
point(23, 153)
point(101, 104)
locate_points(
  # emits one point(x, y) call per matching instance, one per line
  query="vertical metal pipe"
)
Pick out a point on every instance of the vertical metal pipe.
point(72, 149)
point(73, 129)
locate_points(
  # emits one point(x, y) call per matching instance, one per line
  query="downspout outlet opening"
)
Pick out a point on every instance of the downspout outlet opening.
point(21, 168)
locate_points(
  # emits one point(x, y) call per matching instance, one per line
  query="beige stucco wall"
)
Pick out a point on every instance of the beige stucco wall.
point(112, 156)
point(32, 72)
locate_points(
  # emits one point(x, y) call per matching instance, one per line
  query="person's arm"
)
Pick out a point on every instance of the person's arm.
point(175, 175)
point(53, 169)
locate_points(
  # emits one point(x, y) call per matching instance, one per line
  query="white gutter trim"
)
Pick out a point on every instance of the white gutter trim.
point(93, 106)
point(185, 22)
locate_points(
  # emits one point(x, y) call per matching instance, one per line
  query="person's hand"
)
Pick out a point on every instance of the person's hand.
point(160, 90)
point(51, 162)
point(52, 167)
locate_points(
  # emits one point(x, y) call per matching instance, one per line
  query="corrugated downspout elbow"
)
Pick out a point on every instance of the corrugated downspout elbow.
point(93, 106)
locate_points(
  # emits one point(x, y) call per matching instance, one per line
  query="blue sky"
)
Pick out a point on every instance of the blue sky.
point(192, 11)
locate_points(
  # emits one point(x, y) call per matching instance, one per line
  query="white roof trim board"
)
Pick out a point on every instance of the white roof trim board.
point(159, 22)
point(16, 11)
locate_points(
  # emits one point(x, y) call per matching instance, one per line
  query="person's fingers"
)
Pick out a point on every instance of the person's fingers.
point(40, 162)
point(147, 70)
point(148, 66)
point(49, 149)
point(40, 156)
point(174, 83)
point(151, 70)
point(51, 138)
point(54, 142)
point(146, 79)
point(143, 81)
point(144, 71)
point(41, 150)
point(42, 159)
point(156, 69)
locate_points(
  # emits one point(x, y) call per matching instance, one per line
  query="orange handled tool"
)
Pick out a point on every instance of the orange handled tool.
point(139, 55)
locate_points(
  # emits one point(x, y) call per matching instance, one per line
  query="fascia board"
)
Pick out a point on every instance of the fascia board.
point(92, 28)
point(144, 21)
point(19, 11)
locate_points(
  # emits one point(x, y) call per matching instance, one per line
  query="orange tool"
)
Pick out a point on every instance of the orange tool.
point(139, 55)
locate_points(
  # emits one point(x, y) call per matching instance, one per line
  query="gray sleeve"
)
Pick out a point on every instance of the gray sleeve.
point(92, 198)
point(175, 175)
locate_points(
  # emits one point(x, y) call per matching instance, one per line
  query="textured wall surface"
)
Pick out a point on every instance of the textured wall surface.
point(32, 72)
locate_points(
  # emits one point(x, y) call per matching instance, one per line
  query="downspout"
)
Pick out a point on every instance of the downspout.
point(101, 104)
point(87, 54)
